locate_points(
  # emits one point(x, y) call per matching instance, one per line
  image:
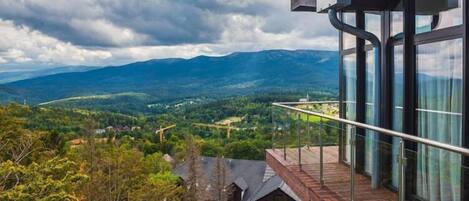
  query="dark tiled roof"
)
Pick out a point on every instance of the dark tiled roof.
point(270, 185)
point(251, 176)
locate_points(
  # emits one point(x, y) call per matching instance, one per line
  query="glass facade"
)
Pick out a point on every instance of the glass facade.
point(435, 82)
point(452, 17)
point(397, 23)
point(397, 106)
point(350, 81)
point(349, 41)
point(373, 25)
point(439, 117)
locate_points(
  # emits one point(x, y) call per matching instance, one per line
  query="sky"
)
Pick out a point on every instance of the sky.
point(39, 34)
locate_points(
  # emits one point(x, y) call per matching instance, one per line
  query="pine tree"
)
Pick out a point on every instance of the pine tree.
point(196, 183)
point(220, 175)
point(90, 145)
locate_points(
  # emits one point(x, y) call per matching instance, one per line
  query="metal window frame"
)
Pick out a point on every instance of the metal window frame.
point(465, 118)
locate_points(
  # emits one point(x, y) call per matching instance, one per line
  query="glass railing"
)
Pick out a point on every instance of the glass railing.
point(356, 161)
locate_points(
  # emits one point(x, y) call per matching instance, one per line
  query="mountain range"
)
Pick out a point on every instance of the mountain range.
point(12, 76)
point(234, 74)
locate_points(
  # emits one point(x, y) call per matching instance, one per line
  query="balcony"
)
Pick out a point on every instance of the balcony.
point(323, 157)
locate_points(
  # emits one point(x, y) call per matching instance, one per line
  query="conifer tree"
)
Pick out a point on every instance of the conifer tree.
point(196, 183)
point(220, 175)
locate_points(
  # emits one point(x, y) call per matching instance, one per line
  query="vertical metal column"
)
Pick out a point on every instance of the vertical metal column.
point(285, 132)
point(308, 130)
point(321, 155)
point(409, 117)
point(402, 165)
point(298, 122)
point(465, 127)
point(352, 163)
point(275, 127)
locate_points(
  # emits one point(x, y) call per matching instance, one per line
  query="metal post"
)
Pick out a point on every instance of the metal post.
point(299, 137)
point(352, 163)
point(285, 133)
point(274, 125)
point(402, 165)
point(321, 155)
point(308, 133)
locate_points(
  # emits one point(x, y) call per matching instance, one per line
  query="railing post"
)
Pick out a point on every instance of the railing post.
point(285, 133)
point(321, 155)
point(352, 163)
point(308, 131)
point(299, 138)
point(402, 164)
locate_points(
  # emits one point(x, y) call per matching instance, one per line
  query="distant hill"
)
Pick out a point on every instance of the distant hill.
point(237, 73)
point(6, 77)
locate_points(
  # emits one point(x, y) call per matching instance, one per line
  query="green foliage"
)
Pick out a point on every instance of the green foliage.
point(247, 149)
point(37, 160)
point(161, 186)
point(211, 148)
point(164, 177)
point(55, 179)
point(155, 163)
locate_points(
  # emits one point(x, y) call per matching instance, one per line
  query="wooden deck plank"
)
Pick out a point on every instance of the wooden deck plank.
point(336, 175)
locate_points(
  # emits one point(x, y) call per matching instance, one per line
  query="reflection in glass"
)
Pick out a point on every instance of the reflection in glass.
point(398, 98)
point(373, 24)
point(423, 23)
point(371, 117)
point(349, 41)
point(439, 86)
point(449, 18)
point(350, 80)
point(397, 24)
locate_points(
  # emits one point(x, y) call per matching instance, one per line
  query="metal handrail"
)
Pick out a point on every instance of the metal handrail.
point(308, 102)
point(388, 132)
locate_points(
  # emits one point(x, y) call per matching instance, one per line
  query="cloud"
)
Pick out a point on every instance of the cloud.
point(21, 45)
point(108, 32)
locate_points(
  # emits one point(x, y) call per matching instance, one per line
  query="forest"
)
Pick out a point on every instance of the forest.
point(63, 153)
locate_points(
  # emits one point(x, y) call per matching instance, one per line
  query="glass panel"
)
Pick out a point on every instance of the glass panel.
point(350, 80)
point(398, 98)
point(349, 41)
point(451, 17)
point(438, 173)
point(439, 82)
point(336, 174)
point(373, 24)
point(397, 24)
point(371, 116)
point(366, 186)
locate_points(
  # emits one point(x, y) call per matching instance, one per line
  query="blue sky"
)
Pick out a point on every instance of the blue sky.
point(45, 33)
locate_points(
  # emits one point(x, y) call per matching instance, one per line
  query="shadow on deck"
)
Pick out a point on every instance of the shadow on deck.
point(305, 179)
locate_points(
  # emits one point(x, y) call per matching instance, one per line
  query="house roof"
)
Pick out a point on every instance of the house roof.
point(272, 184)
point(254, 177)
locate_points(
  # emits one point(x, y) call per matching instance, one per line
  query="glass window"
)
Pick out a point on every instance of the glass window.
point(398, 99)
point(371, 116)
point(439, 117)
point(453, 16)
point(397, 23)
point(350, 81)
point(373, 24)
point(349, 41)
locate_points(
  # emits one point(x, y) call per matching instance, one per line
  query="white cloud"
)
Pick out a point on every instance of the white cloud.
point(114, 32)
point(108, 32)
point(20, 44)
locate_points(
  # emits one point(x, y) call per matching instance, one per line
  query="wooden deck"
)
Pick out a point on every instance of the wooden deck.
point(305, 181)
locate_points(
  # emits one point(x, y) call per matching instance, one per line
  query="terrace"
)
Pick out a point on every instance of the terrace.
point(313, 151)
